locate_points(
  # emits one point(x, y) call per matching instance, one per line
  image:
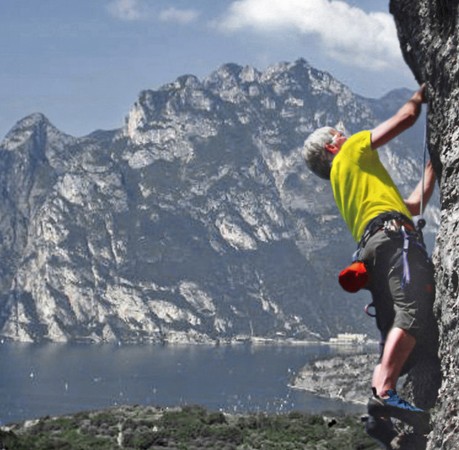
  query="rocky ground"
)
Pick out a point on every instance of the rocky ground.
point(348, 377)
point(345, 377)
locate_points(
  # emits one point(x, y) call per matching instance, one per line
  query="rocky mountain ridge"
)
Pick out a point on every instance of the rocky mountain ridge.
point(195, 222)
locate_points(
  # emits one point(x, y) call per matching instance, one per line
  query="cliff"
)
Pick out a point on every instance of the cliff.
point(428, 33)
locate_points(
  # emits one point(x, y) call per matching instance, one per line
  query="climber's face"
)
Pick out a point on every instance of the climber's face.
point(337, 140)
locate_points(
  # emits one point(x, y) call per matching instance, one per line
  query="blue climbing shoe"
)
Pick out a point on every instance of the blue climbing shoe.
point(394, 406)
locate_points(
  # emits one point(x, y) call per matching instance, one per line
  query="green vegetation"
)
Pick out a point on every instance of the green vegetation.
point(187, 428)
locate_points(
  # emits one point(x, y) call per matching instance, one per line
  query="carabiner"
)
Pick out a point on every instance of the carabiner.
point(367, 309)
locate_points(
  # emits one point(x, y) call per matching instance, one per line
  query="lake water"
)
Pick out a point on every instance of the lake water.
point(55, 379)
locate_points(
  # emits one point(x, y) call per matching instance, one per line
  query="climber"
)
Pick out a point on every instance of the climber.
point(380, 220)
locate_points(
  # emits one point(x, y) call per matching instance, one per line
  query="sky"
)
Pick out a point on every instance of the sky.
point(83, 63)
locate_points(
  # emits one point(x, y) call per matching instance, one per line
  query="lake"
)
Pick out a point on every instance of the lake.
point(54, 379)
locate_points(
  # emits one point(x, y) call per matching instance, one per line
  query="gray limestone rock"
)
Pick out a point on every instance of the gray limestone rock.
point(428, 32)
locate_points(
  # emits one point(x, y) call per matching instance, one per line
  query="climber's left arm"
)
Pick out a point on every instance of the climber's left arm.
point(413, 202)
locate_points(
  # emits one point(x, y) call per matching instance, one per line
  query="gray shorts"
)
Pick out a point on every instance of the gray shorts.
point(407, 307)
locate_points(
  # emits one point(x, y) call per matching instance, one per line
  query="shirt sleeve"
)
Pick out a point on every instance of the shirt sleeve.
point(358, 147)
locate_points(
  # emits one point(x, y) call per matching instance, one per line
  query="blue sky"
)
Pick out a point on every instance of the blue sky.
point(82, 63)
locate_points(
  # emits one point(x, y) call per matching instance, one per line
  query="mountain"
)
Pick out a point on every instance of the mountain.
point(197, 221)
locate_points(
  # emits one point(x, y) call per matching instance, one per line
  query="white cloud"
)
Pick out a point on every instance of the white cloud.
point(346, 33)
point(182, 16)
point(125, 9)
point(132, 10)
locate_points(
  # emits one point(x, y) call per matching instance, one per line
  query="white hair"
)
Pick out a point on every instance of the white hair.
point(318, 159)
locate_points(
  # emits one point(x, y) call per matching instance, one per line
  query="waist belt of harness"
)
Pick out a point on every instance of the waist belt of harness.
point(379, 222)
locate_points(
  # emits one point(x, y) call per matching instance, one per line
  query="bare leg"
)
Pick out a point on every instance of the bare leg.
point(397, 348)
point(376, 375)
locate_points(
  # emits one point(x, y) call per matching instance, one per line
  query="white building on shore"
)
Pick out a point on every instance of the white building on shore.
point(349, 339)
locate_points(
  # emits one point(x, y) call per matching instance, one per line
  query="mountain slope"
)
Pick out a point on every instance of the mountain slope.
point(197, 221)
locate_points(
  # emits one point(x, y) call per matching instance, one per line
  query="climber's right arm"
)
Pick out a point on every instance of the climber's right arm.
point(404, 118)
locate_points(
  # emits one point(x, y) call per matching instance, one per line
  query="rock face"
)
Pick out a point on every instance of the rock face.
point(428, 32)
point(347, 378)
point(196, 222)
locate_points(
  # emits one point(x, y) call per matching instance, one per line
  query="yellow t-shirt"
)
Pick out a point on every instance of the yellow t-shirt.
point(361, 185)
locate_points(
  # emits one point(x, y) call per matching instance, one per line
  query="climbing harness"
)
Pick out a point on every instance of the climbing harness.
point(406, 278)
point(355, 276)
